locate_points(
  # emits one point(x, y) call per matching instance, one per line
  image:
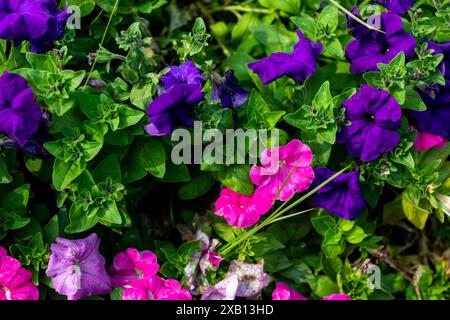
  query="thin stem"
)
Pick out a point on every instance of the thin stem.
point(292, 215)
point(2, 51)
point(113, 12)
point(343, 9)
point(243, 9)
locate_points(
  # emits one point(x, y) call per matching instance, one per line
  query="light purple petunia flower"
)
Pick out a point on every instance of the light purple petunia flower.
point(372, 47)
point(375, 119)
point(397, 6)
point(298, 65)
point(224, 290)
point(20, 115)
point(227, 90)
point(77, 268)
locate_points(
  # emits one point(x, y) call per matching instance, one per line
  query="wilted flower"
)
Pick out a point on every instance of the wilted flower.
point(131, 265)
point(342, 196)
point(375, 119)
point(251, 278)
point(227, 90)
point(298, 65)
point(240, 210)
point(291, 161)
point(397, 6)
point(40, 22)
point(372, 47)
point(282, 292)
point(15, 281)
point(155, 288)
point(77, 268)
point(224, 290)
point(20, 115)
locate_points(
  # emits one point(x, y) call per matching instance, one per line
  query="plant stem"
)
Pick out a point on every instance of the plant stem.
point(113, 12)
point(343, 9)
point(292, 215)
point(2, 51)
point(243, 9)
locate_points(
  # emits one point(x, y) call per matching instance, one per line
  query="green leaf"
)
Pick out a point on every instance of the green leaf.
point(65, 173)
point(276, 262)
point(16, 200)
point(196, 187)
point(287, 6)
point(356, 235)
point(413, 211)
point(5, 177)
point(51, 230)
point(307, 24)
point(45, 62)
point(109, 214)
point(149, 5)
point(108, 168)
point(323, 223)
point(324, 286)
point(274, 38)
point(80, 221)
point(150, 154)
point(237, 178)
point(413, 101)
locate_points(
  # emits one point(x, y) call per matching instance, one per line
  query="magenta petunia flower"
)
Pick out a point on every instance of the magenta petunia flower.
point(282, 292)
point(277, 165)
point(298, 65)
point(375, 119)
point(337, 296)
point(155, 288)
point(425, 141)
point(15, 281)
point(371, 47)
point(20, 115)
point(131, 265)
point(240, 210)
point(77, 268)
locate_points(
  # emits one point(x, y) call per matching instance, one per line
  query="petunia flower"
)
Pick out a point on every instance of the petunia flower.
point(425, 141)
point(227, 90)
point(298, 65)
point(131, 265)
point(282, 292)
point(289, 165)
point(77, 268)
point(337, 296)
point(155, 288)
point(397, 6)
point(173, 108)
point(20, 115)
point(224, 290)
point(251, 278)
point(375, 119)
point(434, 120)
point(240, 210)
point(372, 47)
point(40, 22)
point(342, 196)
point(186, 73)
point(15, 281)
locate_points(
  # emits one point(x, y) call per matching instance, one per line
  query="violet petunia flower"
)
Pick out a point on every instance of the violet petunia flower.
point(40, 22)
point(283, 292)
point(15, 281)
point(155, 288)
point(77, 268)
point(434, 120)
point(20, 115)
point(298, 65)
point(397, 6)
point(131, 265)
point(185, 73)
point(227, 91)
point(242, 211)
point(375, 119)
point(372, 47)
point(286, 168)
point(342, 196)
point(181, 90)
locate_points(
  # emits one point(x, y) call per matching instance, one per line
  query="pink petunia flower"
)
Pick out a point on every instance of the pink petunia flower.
point(240, 210)
point(337, 296)
point(155, 288)
point(282, 292)
point(131, 265)
point(277, 165)
point(15, 281)
point(425, 141)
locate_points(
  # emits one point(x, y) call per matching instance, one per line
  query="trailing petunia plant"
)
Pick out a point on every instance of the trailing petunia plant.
point(222, 150)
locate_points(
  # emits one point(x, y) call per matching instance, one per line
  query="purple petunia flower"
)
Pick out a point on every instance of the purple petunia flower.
point(186, 73)
point(40, 22)
point(375, 117)
point(20, 115)
point(181, 90)
point(397, 6)
point(434, 120)
point(77, 268)
point(227, 90)
point(298, 65)
point(342, 196)
point(371, 47)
